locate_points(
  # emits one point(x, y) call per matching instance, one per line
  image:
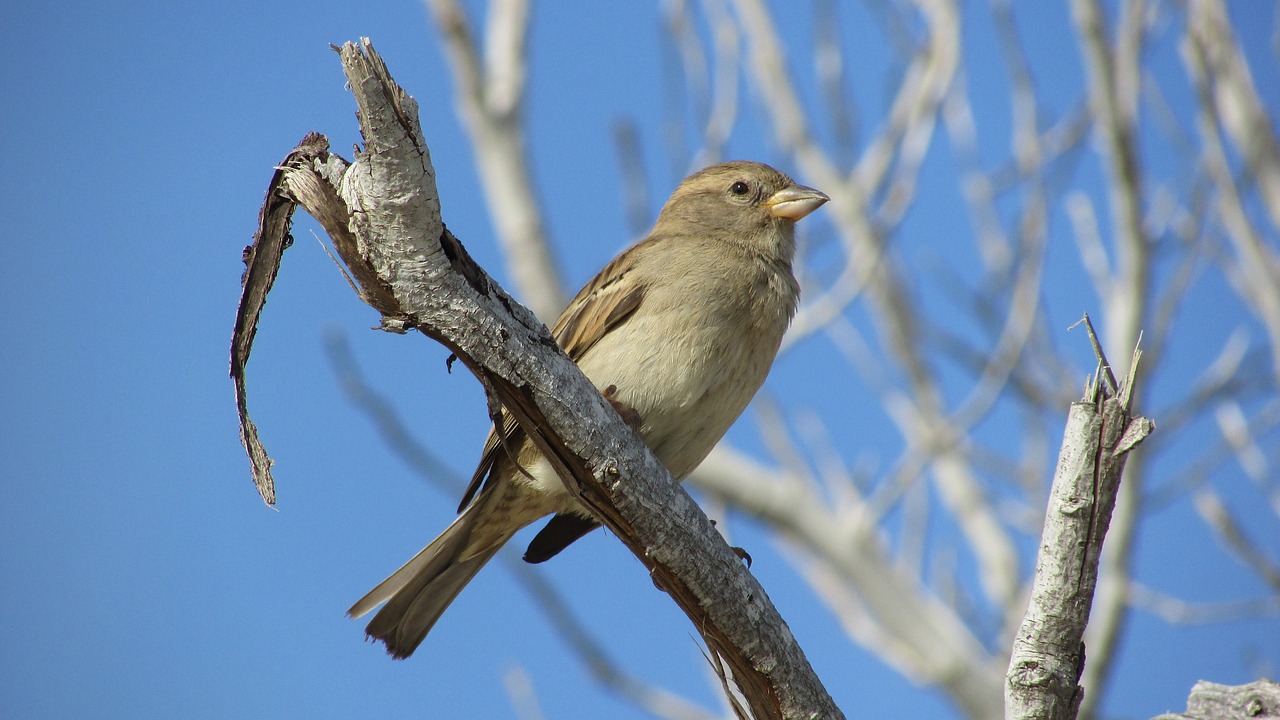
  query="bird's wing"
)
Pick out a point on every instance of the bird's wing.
point(611, 297)
point(608, 299)
point(512, 436)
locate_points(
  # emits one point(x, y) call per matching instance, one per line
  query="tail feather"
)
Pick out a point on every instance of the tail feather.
point(418, 593)
point(437, 549)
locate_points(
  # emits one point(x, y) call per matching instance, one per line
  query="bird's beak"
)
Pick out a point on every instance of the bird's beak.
point(795, 202)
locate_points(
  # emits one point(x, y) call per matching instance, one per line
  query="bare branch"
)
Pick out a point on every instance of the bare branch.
point(1048, 653)
point(1180, 612)
point(1235, 100)
point(1212, 510)
point(1257, 269)
point(386, 225)
point(490, 96)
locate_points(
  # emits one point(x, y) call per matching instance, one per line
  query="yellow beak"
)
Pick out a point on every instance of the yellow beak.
point(795, 202)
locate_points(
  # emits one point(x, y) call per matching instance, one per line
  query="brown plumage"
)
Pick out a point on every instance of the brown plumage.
point(684, 324)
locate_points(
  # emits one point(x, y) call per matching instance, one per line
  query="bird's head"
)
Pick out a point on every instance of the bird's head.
point(742, 200)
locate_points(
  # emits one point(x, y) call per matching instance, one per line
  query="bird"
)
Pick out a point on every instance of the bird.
point(678, 331)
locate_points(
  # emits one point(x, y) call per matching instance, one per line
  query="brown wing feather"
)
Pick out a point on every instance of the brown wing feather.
point(598, 308)
point(492, 447)
point(606, 301)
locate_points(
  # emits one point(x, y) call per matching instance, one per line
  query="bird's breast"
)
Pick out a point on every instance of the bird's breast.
point(689, 362)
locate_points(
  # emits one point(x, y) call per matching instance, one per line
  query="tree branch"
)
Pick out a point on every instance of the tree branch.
point(1048, 653)
point(1210, 701)
point(383, 214)
point(490, 98)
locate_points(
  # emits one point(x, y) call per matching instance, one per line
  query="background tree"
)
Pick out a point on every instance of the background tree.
point(1157, 209)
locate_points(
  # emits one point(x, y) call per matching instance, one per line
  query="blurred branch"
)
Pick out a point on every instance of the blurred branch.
point(910, 124)
point(1113, 90)
point(656, 701)
point(490, 100)
point(1215, 514)
point(1243, 439)
point(633, 180)
point(1235, 101)
point(723, 116)
point(768, 68)
point(385, 419)
point(1257, 267)
point(523, 698)
point(1191, 261)
point(1180, 612)
point(829, 64)
point(1084, 220)
point(1023, 299)
point(1242, 434)
point(710, 87)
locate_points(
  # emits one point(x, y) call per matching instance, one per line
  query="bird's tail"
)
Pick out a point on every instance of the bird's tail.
point(419, 592)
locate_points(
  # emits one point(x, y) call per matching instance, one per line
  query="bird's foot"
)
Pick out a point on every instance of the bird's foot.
point(628, 413)
point(743, 555)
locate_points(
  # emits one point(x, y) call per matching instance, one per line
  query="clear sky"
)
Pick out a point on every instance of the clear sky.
point(143, 577)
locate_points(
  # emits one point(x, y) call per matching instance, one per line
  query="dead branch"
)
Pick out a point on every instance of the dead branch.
point(1048, 653)
point(383, 215)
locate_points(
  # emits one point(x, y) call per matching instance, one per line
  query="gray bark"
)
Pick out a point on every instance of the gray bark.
point(1048, 653)
point(1209, 701)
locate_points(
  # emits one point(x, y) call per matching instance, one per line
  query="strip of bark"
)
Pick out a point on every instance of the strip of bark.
point(1048, 653)
point(262, 263)
point(383, 214)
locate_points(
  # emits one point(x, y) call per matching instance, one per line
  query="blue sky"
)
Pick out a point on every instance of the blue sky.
point(142, 575)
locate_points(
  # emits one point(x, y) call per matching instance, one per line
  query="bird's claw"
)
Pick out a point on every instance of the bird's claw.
point(626, 412)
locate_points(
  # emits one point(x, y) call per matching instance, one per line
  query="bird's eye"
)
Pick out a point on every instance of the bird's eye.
point(739, 188)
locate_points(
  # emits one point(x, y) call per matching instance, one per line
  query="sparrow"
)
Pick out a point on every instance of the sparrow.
point(679, 332)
